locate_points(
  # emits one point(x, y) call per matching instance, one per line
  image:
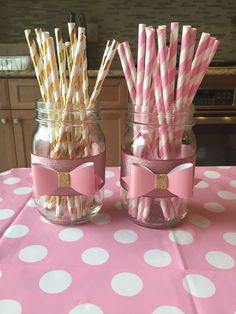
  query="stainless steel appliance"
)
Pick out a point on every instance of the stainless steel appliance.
point(215, 115)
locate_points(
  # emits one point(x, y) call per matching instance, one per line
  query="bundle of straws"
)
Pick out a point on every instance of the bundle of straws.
point(159, 89)
point(62, 76)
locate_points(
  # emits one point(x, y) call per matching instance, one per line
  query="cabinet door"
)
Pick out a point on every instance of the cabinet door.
point(23, 93)
point(113, 124)
point(4, 95)
point(7, 148)
point(24, 126)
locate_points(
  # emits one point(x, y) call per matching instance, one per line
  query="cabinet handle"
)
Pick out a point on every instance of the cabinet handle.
point(3, 120)
point(16, 120)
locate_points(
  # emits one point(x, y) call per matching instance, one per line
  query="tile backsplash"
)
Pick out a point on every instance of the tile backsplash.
point(118, 19)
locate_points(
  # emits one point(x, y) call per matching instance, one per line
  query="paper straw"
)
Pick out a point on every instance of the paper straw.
point(54, 72)
point(150, 33)
point(130, 61)
point(140, 65)
point(61, 55)
point(69, 56)
point(127, 72)
point(73, 38)
point(174, 29)
point(37, 61)
point(162, 51)
point(103, 72)
point(183, 66)
point(75, 71)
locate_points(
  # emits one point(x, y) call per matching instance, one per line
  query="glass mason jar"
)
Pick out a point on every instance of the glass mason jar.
point(68, 163)
point(153, 146)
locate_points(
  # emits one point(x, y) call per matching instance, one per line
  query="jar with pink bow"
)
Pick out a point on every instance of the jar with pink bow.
point(68, 163)
point(157, 170)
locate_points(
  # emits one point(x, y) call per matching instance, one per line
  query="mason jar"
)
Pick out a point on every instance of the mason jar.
point(68, 163)
point(157, 169)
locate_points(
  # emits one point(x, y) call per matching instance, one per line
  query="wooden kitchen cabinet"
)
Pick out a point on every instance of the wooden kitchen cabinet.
point(7, 144)
point(20, 94)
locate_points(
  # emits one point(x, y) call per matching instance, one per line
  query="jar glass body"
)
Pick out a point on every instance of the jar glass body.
point(68, 136)
point(162, 138)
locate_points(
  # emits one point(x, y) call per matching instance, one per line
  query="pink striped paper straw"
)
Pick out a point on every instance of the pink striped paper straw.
point(157, 83)
point(126, 70)
point(193, 33)
point(197, 60)
point(207, 57)
point(130, 61)
point(150, 33)
point(174, 29)
point(183, 66)
point(140, 65)
point(162, 51)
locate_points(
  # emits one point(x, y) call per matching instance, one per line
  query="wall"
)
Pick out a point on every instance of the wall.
point(119, 19)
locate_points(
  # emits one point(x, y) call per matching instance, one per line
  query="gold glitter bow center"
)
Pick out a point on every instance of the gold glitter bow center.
point(161, 181)
point(63, 179)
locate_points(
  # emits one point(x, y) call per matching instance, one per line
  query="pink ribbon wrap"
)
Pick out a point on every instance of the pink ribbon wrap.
point(68, 177)
point(158, 178)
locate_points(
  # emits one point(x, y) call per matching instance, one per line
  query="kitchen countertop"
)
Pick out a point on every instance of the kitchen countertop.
point(113, 73)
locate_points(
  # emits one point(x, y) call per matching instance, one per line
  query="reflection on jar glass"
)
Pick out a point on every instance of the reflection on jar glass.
point(156, 144)
point(68, 150)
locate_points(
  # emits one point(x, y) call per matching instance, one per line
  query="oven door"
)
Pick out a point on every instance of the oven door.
point(216, 140)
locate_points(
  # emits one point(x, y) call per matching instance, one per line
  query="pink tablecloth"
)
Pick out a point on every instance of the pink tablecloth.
point(113, 266)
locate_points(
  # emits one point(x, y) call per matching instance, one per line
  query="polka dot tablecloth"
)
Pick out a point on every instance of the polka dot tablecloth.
point(112, 266)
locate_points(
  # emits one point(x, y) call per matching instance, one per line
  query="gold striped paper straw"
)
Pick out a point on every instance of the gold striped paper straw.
point(47, 68)
point(61, 55)
point(69, 56)
point(103, 72)
point(75, 71)
point(81, 31)
point(73, 37)
point(53, 70)
point(37, 62)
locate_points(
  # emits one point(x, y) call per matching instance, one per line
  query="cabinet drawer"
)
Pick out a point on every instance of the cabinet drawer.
point(23, 93)
point(4, 96)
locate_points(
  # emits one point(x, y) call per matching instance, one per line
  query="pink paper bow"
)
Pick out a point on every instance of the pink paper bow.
point(47, 181)
point(179, 181)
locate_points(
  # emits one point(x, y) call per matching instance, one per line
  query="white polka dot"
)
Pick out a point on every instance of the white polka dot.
point(233, 183)
point(55, 281)
point(125, 236)
point(227, 195)
point(220, 260)
point(118, 205)
point(86, 308)
point(71, 234)
point(167, 309)
point(101, 219)
point(16, 231)
point(198, 286)
point(109, 174)
point(118, 184)
point(214, 207)
point(212, 174)
point(199, 221)
point(33, 253)
point(108, 193)
point(181, 237)
point(202, 185)
point(9, 306)
point(95, 256)
point(157, 258)
point(31, 203)
point(6, 213)
point(0, 274)
point(1, 199)
point(23, 190)
point(5, 173)
point(230, 237)
point(12, 180)
point(223, 167)
point(127, 284)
